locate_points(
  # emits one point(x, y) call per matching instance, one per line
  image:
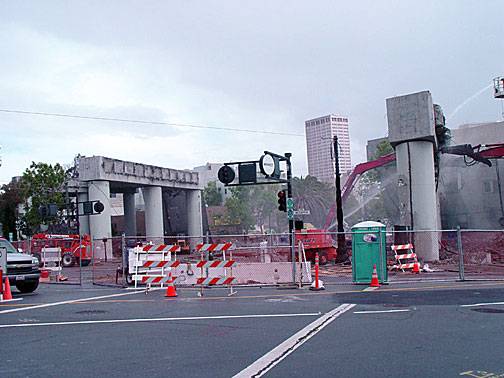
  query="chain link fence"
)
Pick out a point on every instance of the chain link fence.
point(267, 259)
point(63, 259)
point(260, 259)
point(483, 254)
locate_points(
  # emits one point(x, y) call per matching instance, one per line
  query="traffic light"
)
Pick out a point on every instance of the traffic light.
point(226, 174)
point(98, 207)
point(50, 210)
point(92, 207)
point(282, 200)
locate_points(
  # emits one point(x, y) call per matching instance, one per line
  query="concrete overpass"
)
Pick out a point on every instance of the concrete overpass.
point(100, 176)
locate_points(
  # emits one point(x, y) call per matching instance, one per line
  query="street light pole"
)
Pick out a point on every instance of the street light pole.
point(342, 253)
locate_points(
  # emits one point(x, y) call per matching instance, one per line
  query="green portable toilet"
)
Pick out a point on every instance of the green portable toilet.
point(369, 248)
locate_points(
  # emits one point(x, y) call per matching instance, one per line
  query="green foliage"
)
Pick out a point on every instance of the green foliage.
point(41, 185)
point(315, 196)
point(383, 148)
point(257, 206)
point(238, 207)
point(10, 197)
point(211, 195)
point(263, 205)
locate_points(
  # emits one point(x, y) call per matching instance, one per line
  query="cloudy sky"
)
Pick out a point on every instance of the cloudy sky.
point(255, 65)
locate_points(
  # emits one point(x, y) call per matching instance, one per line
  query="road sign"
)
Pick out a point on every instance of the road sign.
point(301, 212)
point(290, 203)
point(290, 214)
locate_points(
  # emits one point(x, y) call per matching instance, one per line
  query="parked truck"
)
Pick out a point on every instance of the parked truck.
point(22, 269)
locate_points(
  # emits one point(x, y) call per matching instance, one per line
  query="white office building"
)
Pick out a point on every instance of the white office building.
point(319, 140)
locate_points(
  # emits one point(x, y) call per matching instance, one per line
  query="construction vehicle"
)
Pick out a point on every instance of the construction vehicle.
point(75, 249)
point(316, 240)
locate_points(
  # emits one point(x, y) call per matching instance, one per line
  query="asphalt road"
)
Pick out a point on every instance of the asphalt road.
point(414, 330)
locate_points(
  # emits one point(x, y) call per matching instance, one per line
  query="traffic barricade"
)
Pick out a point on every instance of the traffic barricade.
point(152, 264)
point(405, 257)
point(50, 259)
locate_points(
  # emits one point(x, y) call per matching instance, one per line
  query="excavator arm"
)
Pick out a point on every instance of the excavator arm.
point(352, 179)
point(480, 153)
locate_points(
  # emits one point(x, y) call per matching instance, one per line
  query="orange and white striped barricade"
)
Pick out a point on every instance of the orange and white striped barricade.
point(215, 248)
point(150, 263)
point(405, 257)
point(206, 280)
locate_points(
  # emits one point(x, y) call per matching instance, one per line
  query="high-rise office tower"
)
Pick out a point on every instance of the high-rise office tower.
point(319, 143)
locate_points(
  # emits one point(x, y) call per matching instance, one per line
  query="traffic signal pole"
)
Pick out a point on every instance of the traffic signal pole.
point(342, 254)
point(289, 195)
point(289, 186)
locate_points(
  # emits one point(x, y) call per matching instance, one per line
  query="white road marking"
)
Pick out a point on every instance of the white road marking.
point(483, 304)
point(10, 300)
point(67, 302)
point(380, 312)
point(109, 321)
point(276, 355)
point(371, 288)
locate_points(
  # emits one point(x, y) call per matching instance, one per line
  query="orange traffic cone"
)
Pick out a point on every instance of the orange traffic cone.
point(416, 268)
point(374, 278)
point(170, 290)
point(7, 290)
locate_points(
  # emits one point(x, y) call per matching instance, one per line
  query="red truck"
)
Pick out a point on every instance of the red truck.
point(74, 249)
point(316, 240)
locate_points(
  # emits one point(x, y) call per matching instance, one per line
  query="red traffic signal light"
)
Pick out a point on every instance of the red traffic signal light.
point(282, 200)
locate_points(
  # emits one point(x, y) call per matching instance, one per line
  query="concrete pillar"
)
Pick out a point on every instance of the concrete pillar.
point(129, 214)
point(417, 195)
point(194, 219)
point(153, 198)
point(83, 219)
point(100, 225)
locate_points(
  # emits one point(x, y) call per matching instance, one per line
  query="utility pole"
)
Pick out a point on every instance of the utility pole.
point(342, 253)
point(289, 195)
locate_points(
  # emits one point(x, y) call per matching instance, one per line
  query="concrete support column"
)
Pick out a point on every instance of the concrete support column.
point(417, 195)
point(83, 219)
point(130, 226)
point(100, 225)
point(194, 218)
point(153, 212)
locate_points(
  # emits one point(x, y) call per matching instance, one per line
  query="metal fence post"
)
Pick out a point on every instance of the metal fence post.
point(382, 273)
point(80, 260)
point(460, 253)
point(125, 258)
point(92, 261)
point(293, 256)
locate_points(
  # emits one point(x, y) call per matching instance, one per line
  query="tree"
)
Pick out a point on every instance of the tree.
point(383, 148)
point(10, 198)
point(263, 203)
point(41, 185)
point(238, 207)
point(315, 196)
point(211, 195)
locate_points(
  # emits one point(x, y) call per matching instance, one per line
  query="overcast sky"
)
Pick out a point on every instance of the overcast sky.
point(261, 65)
